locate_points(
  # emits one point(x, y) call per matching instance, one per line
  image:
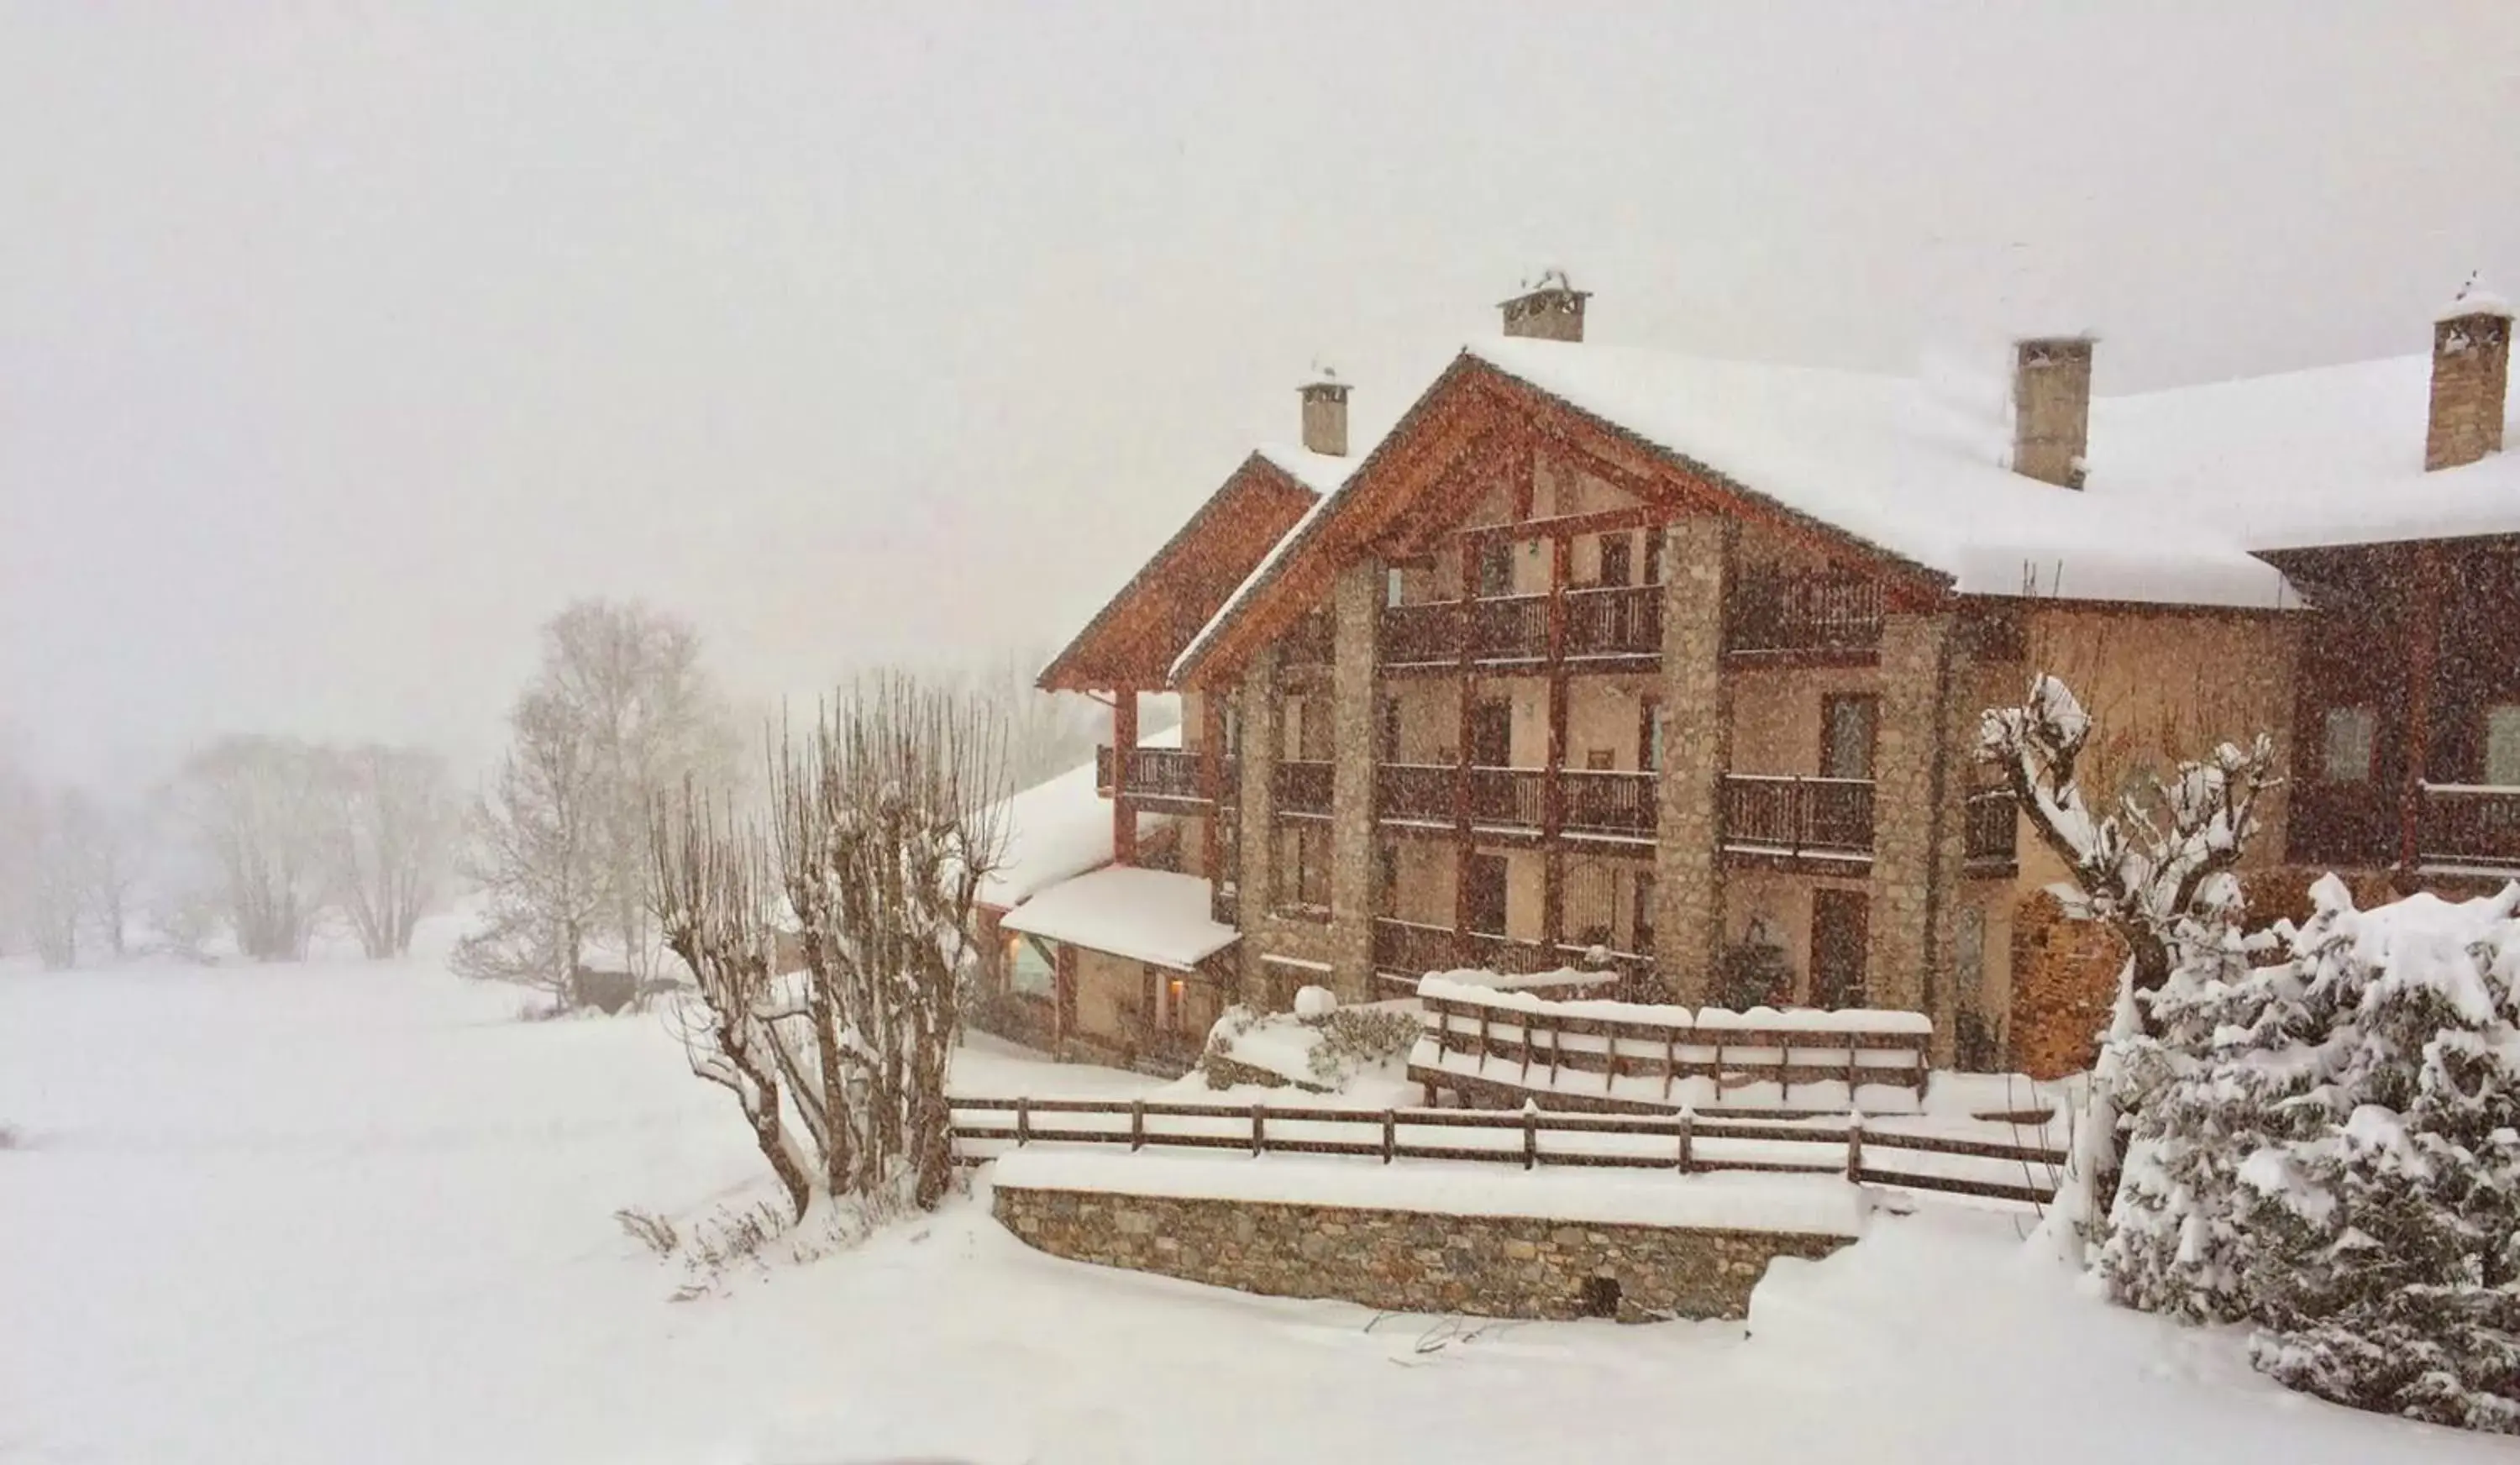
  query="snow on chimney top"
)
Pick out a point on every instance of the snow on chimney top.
point(1551, 309)
point(2052, 407)
point(2471, 373)
point(1325, 400)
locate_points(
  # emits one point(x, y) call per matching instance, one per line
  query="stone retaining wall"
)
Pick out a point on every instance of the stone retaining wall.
point(1409, 1261)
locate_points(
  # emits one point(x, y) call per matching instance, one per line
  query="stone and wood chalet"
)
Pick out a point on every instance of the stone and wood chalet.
point(1671, 668)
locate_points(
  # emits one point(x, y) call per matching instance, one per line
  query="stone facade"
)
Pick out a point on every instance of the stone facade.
point(2064, 978)
point(1266, 934)
point(1356, 612)
point(1409, 1261)
point(1916, 833)
point(1688, 868)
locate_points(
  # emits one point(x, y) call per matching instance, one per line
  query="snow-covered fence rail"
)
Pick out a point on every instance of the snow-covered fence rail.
point(1865, 1150)
point(1630, 1054)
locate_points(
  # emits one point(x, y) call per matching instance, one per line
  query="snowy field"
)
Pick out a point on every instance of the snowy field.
point(352, 1213)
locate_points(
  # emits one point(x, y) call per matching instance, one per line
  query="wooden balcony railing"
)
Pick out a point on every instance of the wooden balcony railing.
point(1770, 610)
point(1602, 802)
point(1794, 817)
point(1506, 796)
point(1512, 628)
point(1413, 791)
point(1618, 621)
point(2473, 824)
point(1170, 773)
point(1421, 635)
point(1412, 949)
point(1489, 950)
point(1988, 828)
point(1303, 786)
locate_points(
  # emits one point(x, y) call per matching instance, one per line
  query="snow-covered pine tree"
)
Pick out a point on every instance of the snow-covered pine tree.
point(2387, 1273)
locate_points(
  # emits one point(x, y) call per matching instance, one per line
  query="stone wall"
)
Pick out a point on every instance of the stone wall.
point(1356, 610)
point(1409, 1262)
point(1697, 742)
point(2064, 977)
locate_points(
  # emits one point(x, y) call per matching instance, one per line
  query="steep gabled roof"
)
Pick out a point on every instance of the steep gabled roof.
point(1132, 641)
point(1871, 464)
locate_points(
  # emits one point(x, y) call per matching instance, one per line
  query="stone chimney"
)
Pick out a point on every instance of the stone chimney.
point(1551, 310)
point(2471, 363)
point(1325, 415)
point(2052, 407)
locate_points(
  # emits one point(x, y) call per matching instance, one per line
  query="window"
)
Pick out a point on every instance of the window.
point(2345, 743)
point(1617, 558)
point(1029, 973)
point(1653, 556)
point(1304, 868)
point(1643, 913)
point(1387, 877)
point(1233, 729)
point(1391, 585)
point(1649, 734)
point(1387, 746)
point(1496, 570)
point(1846, 736)
point(2503, 745)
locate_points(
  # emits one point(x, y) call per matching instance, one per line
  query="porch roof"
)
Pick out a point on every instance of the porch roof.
point(1151, 916)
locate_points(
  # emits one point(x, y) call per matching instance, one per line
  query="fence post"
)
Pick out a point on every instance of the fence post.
point(1390, 1134)
point(1259, 1140)
point(1136, 1124)
point(1687, 1121)
point(1855, 1148)
point(1023, 1119)
point(1530, 1131)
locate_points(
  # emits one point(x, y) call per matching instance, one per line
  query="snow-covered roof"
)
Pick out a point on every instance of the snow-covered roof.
point(1060, 829)
point(1253, 582)
point(1322, 473)
point(1887, 461)
point(1144, 914)
point(2332, 456)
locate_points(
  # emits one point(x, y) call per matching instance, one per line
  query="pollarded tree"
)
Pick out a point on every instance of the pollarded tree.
point(2157, 869)
point(389, 822)
point(886, 821)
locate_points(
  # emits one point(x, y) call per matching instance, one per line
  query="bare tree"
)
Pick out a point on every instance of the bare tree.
point(886, 823)
point(110, 848)
point(390, 820)
point(252, 808)
point(2157, 870)
point(536, 852)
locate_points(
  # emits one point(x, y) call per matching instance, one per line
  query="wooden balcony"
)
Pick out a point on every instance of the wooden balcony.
point(1771, 613)
point(1406, 946)
point(1303, 786)
point(1798, 820)
point(1492, 952)
point(1989, 829)
point(1607, 803)
point(1507, 797)
point(2469, 826)
point(1617, 621)
point(1512, 627)
point(1422, 635)
point(1162, 775)
point(1414, 792)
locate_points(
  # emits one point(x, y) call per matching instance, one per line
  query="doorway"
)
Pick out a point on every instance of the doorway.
point(1839, 928)
point(1491, 734)
point(1483, 894)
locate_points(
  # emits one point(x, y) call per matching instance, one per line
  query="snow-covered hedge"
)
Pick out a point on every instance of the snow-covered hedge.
point(2330, 1148)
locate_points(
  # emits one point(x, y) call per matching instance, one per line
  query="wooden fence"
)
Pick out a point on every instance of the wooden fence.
point(1868, 1152)
point(1661, 1044)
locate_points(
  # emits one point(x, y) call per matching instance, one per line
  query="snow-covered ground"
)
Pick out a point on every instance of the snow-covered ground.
point(354, 1213)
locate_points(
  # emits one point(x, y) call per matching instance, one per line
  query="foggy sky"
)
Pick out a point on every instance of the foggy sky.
point(337, 350)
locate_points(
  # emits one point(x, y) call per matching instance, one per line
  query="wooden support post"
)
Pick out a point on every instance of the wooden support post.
point(1259, 1137)
point(2423, 657)
point(1023, 1121)
point(1610, 1061)
point(1391, 1135)
point(1687, 1121)
point(1553, 786)
point(1136, 1124)
point(1211, 784)
point(1124, 745)
point(1670, 1059)
point(1530, 1134)
point(1855, 1148)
